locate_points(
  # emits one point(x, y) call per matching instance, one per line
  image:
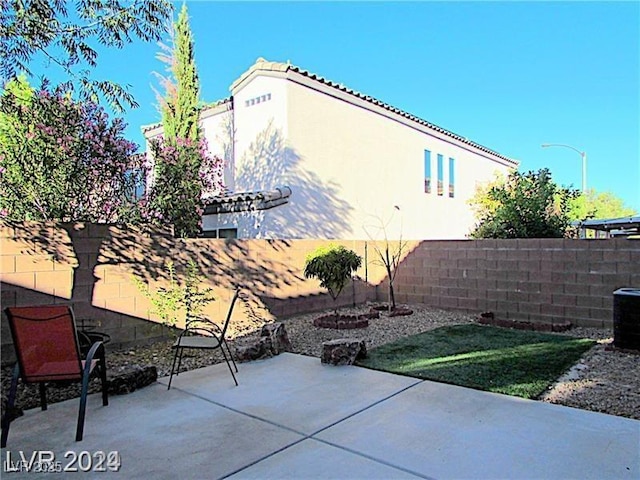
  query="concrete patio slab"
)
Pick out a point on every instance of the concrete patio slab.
point(294, 391)
point(444, 431)
point(313, 459)
point(292, 417)
point(158, 434)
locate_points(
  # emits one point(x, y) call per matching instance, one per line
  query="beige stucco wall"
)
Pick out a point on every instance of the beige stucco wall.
point(352, 166)
point(376, 162)
point(349, 164)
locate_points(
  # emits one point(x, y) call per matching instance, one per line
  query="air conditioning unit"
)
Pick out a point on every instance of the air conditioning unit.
point(626, 318)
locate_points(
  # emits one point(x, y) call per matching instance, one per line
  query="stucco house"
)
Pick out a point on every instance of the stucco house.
point(314, 159)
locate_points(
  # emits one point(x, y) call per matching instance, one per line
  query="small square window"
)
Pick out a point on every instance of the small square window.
point(228, 233)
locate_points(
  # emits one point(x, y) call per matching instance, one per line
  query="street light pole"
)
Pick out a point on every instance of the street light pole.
point(583, 155)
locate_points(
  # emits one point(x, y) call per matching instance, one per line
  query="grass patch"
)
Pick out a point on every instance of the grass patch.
point(513, 362)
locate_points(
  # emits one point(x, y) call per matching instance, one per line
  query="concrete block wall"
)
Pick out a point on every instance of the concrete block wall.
point(92, 268)
point(543, 280)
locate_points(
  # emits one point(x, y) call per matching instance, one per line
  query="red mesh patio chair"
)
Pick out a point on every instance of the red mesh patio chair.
point(47, 350)
point(202, 333)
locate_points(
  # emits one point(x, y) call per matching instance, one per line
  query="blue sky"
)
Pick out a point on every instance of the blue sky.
point(507, 75)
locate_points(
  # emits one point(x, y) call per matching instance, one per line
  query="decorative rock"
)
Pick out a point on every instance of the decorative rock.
point(129, 378)
point(278, 335)
point(258, 348)
point(343, 351)
point(345, 322)
point(397, 311)
point(273, 341)
point(488, 318)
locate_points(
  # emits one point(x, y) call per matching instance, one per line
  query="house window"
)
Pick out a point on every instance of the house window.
point(451, 177)
point(220, 233)
point(440, 175)
point(256, 100)
point(427, 171)
point(228, 233)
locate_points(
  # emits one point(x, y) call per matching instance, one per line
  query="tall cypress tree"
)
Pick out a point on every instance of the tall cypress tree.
point(180, 110)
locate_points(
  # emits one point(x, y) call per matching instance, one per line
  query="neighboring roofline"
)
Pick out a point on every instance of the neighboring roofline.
point(205, 111)
point(247, 201)
point(606, 224)
point(261, 65)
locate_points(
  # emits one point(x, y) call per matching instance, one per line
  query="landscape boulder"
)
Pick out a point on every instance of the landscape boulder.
point(343, 351)
point(273, 340)
point(129, 378)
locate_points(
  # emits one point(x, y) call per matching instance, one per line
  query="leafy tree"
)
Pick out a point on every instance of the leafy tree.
point(333, 266)
point(47, 28)
point(525, 205)
point(60, 159)
point(593, 204)
point(176, 194)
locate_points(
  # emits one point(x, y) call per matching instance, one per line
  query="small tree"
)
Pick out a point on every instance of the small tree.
point(179, 300)
point(389, 255)
point(333, 266)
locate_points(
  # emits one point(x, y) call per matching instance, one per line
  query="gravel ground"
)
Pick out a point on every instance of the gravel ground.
point(604, 380)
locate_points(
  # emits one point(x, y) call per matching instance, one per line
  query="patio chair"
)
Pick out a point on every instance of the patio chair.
point(204, 334)
point(47, 350)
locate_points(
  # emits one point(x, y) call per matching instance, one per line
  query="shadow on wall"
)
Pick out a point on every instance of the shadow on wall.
point(92, 267)
point(315, 209)
point(226, 140)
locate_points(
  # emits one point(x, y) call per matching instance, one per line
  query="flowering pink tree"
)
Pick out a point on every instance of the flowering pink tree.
point(184, 174)
point(64, 160)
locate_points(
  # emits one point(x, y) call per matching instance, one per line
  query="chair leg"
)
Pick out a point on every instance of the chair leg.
point(173, 366)
point(179, 361)
point(43, 396)
point(83, 406)
point(228, 365)
point(6, 418)
point(230, 355)
point(103, 378)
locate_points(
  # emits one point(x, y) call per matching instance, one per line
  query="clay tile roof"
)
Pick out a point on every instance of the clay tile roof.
point(248, 201)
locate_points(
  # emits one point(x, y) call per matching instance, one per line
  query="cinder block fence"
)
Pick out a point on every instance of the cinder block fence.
point(539, 280)
point(93, 267)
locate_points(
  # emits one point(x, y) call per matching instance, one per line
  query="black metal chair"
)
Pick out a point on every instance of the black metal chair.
point(203, 334)
point(46, 344)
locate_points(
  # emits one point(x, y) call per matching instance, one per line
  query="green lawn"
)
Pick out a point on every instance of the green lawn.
point(514, 362)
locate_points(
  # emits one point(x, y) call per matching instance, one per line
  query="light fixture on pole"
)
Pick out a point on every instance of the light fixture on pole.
point(583, 155)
